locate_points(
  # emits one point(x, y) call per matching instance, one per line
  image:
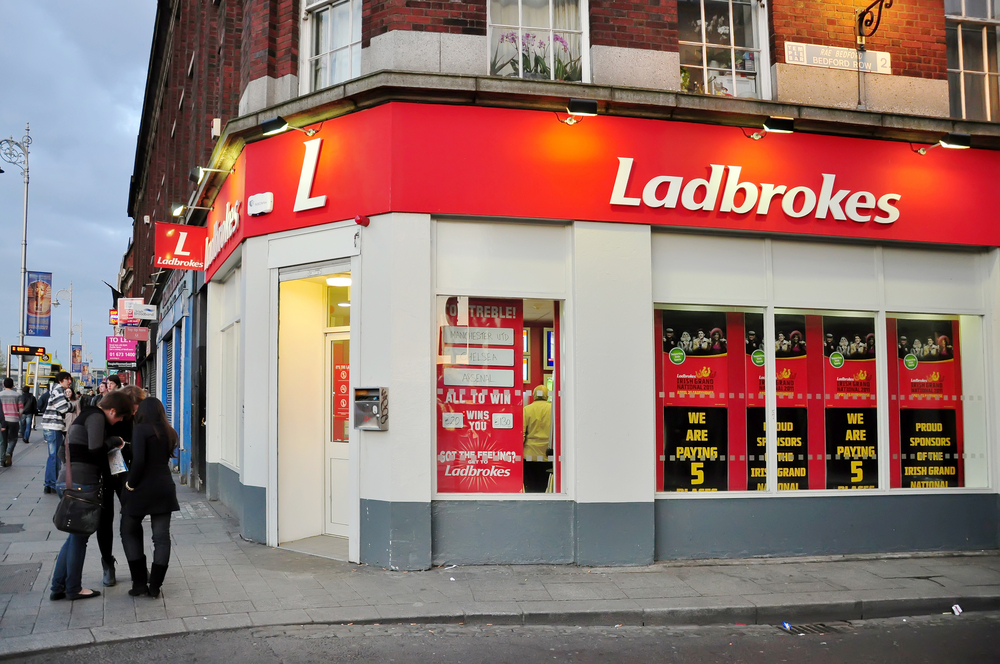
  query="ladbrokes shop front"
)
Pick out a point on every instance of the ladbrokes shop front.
point(612, 342)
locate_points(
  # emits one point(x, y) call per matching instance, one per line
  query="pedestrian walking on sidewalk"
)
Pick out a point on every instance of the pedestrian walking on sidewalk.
point(88, 444)
point(149, 491)
point(74, 407)
point(29, 408)
point(10, 402)
point(114, 486)
point(54, 426)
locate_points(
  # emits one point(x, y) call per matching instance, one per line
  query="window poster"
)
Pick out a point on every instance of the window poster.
point(697, 417)
point(791, 374)
point(793, 445)
point(480, 403)
point(849, 398)
point(929, 404)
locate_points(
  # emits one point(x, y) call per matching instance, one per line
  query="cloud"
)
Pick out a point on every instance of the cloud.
point(77, 72)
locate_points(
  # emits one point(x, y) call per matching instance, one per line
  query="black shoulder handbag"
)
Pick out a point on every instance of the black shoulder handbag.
point(78, 511)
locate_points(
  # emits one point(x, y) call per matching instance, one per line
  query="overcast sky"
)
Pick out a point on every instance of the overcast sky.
point(76, 71)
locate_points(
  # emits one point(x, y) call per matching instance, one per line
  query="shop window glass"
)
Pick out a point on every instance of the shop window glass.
point(827, 416)
point(498, 402)
point(714, 426)
point(540, 39)
point(719, 49)
point(710, 394)
point(936, 418)
point(338, 300)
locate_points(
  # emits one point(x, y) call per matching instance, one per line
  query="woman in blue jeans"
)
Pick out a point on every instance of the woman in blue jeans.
point(89, 445)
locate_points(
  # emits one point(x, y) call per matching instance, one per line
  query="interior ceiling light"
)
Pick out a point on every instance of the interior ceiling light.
point(343, 304)
point(279, 125)
point(178, 209)
point(579, 109)
point(952, 141)
point(197, 173)
point(339, 282)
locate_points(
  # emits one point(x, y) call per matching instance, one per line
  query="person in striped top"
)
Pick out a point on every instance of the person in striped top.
point(10, 401)
point(54, 427)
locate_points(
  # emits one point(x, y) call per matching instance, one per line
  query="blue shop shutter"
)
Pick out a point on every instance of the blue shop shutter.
point(168, 378)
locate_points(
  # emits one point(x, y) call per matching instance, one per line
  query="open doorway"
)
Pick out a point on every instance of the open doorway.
point(314, 433)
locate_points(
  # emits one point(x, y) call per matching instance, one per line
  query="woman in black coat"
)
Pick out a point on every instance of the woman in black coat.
point(149, 490)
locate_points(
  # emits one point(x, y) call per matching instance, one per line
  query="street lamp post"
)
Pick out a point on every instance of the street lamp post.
point(56, 303)
point(16, 153)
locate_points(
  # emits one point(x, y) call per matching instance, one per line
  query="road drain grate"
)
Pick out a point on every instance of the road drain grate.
point(18, 578)
point(814, 628)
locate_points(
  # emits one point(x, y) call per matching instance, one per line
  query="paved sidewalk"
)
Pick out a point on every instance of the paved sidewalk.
point(218, 581)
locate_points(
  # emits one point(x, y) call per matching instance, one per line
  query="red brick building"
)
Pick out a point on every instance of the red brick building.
point(680, 205)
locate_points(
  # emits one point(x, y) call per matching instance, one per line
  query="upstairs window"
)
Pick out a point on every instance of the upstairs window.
point(334, 33)
point(540, 39)
point(720, 47)
point(971, 30)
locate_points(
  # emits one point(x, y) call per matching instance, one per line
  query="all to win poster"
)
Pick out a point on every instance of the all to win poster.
point(480, 430)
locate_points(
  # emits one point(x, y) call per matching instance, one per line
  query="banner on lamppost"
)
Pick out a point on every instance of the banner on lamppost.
point(39, 309)
point(77, 358)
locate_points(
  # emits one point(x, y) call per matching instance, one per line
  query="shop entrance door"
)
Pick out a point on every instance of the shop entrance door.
point(338, 427)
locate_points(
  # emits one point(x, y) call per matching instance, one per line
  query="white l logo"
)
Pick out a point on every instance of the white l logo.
point(179, 251)
point(303, 201)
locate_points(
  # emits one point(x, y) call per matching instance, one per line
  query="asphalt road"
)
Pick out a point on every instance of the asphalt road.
point(944, 638)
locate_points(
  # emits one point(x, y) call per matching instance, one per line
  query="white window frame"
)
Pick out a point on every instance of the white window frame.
point(306, 56)
point(761, 36)
point(965, 24)
point(584, 32)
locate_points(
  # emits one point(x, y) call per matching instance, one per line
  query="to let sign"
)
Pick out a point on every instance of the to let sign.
point(120, 349)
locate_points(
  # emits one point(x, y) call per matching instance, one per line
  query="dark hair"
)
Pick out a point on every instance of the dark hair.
point(116, 379)
point(8, 382)
point(151, 412)
point(61, 376)
point(25, 389)
point(120, 403)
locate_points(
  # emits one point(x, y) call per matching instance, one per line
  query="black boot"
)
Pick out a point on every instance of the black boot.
point(156, 574)
point(139, 577)
point(109, 571)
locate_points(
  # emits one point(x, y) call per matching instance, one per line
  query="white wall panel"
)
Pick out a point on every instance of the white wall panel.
point(254, 328)
point(824, 276)
point(919, 280)
point(501, 259)
point(612, 442)
point(707, 269)
point(396, 344)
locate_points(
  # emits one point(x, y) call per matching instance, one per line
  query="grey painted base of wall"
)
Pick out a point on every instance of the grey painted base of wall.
point(488, 532)
point(614, 533)
point(551, 532)
point(247, 501)
point(741, 527)
point(396, 535)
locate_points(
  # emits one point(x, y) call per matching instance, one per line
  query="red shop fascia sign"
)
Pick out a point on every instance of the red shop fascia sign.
point(490, 162)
